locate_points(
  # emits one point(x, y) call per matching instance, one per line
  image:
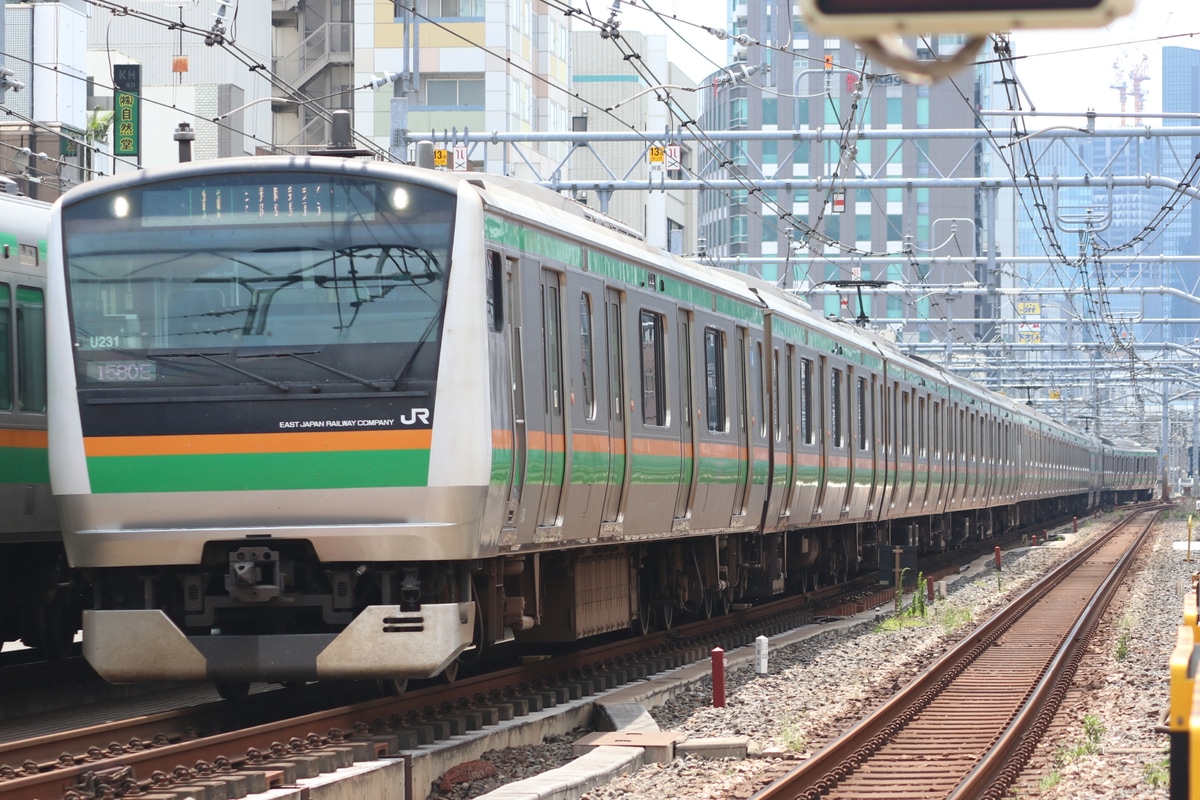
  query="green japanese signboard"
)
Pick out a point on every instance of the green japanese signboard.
point(127, 83)
point(126, 117)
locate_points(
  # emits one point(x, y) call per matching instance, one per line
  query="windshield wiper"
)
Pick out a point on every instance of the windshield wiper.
point(433, 322)
point(378, 386)
point(212, 358)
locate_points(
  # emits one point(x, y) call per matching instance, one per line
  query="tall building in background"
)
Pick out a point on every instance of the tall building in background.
point(1181, 94)
point(602, 79)
point(805, 92)
point(465, 66)
point(38, 139)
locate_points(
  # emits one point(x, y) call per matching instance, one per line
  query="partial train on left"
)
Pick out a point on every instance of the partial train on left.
point(40, 596)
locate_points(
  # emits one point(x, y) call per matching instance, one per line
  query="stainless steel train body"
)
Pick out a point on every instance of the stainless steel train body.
point(36, 590)
point(313, 418)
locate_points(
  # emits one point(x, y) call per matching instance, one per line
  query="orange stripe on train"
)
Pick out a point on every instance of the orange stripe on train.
point(14, 437)
point(224, 444)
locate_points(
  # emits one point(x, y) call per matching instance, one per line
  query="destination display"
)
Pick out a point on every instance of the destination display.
point(260, 202)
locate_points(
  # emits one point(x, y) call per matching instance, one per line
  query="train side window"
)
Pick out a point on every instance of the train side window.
point(5, 349)
point(495, 291)
point(806, 400)
point(616, 372)
point(31, 349)
point(789, 406)
point(586, 354)
point(936, 426)
point(552, 332)
point(860, 411)
point(906, 424)
point(775, 398)
point(835, 407)
point(922, 429)
point(654, 389)
point(760, 383)
point(714, 379)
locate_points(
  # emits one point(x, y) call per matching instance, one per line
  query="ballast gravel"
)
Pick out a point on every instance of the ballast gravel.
point(1107, 747)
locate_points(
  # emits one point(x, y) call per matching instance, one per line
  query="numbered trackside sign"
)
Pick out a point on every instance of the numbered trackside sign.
point(658, 158)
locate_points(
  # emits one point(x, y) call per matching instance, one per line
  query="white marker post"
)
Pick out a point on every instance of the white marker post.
point(760, 656)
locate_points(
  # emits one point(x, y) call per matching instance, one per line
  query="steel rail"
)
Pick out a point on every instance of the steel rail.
point(959, 752)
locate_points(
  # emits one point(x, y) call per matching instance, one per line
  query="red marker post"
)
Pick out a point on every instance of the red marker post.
point(997, 558)
point(718, 677)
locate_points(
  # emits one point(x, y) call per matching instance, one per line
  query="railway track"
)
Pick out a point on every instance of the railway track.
point(968, 724)
point(179, 747)
point(217, 741)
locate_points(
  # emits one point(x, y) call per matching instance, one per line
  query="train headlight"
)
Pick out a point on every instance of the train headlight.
point(400, 198)
point(120, 207)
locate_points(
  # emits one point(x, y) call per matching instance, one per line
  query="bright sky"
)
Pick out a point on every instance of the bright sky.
point(1062, 70)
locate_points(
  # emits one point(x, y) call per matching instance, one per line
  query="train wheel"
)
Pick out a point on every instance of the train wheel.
point(666, 615)
point(644, 624)
point(706, 605)
point(233, 690)
point(725, 602)
point(392, 687)
point(450, 673)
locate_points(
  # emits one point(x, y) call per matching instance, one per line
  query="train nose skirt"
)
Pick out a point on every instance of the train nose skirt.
point(133, 646)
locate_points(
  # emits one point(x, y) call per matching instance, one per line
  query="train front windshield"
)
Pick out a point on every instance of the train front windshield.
point(259, 282)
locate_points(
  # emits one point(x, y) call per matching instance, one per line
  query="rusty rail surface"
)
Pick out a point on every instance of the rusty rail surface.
point(966, 726)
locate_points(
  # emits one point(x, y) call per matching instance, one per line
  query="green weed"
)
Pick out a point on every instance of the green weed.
point(1124, 631)
point(1157, 773)
point(1050, 780)
point(790, 735)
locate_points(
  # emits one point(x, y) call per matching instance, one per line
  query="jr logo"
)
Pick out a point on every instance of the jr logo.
point(416, 415)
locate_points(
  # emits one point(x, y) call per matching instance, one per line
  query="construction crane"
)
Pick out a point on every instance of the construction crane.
point(1128, 82)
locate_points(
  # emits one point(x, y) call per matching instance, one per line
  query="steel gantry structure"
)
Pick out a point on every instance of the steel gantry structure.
point(1090, 310)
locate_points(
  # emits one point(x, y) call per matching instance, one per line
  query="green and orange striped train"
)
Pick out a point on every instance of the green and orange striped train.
point(313, 418)
point(40, 596)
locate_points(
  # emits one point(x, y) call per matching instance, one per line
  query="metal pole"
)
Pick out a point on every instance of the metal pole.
point(1163, 448)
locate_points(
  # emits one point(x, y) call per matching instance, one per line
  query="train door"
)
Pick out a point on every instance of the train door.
point(618, 431)
point(537, 397)
point(937, 471)
point(822, 425)
point(785, 395)
point(809, 475)
point(838, 461)
point(878, 471)
point(921, 454)
point(860, 443)
point(904, 445)
point(687, 426)
point(554, 397)
point(588, 461)
point(760, 446)
point(743, 424)
point(515, 332)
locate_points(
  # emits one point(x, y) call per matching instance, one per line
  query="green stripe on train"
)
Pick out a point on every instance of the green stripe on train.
point(258, 471)
point(24, 465)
